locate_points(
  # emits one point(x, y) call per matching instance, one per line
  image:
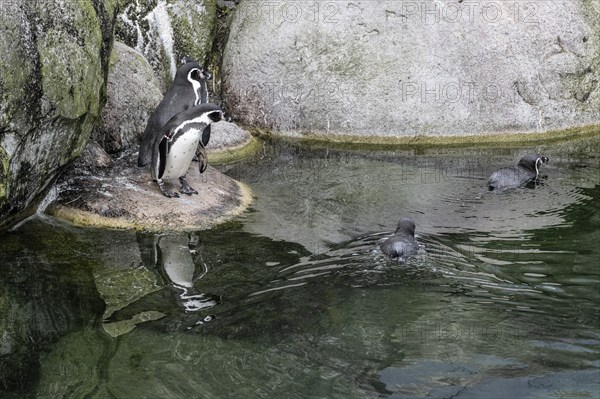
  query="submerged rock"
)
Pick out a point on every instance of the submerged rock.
point(53, 73)
point(401, 69)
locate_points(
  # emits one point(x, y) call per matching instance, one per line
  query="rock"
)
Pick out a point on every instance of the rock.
point(229, 143)
point(165, 31)
point(133, 93)
point(93, 157)
point(126, 197)
point(226, 135)
point(400, 69)
point(53, 73)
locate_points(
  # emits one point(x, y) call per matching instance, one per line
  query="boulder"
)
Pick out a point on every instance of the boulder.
point(133, 93)
point(124, 196)
point(166, 30)
point(53, 74)
point(391, 69)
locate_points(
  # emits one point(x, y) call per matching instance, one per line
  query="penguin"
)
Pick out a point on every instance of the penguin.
point(189, 88)
point(403, 242)
point(175, 147)
point(527, 170)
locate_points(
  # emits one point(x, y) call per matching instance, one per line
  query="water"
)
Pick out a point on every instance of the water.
point(294, 300)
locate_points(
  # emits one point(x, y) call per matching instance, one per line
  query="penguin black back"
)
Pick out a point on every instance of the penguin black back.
point(527, 170)
point(189, 88)
point(403, 242)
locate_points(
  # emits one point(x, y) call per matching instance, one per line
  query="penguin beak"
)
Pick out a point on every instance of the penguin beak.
point(545, 159)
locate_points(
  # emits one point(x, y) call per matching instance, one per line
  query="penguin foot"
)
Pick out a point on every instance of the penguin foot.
point(186, 188)
point(166, 192)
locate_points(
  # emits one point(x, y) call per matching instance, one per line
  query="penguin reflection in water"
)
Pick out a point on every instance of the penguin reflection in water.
point(175, 147)
point(403, 243)
point(527, 170)
point(173, 258)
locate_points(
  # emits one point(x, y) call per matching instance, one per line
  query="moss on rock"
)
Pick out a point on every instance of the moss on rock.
point(53, 73)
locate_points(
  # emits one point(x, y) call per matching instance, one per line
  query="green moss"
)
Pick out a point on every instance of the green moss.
point(193, 29)
point(422, 143)
point(72, 78)
point(15, 74)
point(4, 176)
point(235, 154)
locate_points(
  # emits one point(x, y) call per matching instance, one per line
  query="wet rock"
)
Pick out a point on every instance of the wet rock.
point(133, 93)
point(126, 197)
point(166, 30)
point(52, 87)
point(402, 69)
point(93, 158)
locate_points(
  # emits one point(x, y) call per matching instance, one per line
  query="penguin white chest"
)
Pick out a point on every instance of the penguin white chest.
point(181, 153)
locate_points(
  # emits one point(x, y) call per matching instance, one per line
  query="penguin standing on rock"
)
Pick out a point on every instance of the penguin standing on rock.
point(177, 144)
point(403, 242)
point(189, 88)
point(526, 171)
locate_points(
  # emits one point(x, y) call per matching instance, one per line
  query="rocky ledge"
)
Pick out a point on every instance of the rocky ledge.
point(117, 194)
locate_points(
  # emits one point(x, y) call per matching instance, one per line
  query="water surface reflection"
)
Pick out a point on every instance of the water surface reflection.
point(296, 301)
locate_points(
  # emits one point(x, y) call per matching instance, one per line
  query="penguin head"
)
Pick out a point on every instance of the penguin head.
point(406, 226)
point(191, 71)
point(532, 162)
point(212, 111)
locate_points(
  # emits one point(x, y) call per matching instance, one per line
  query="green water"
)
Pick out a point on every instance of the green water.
point(293, 300)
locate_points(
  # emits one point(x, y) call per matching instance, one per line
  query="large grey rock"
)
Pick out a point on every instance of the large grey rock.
point(52, 87)
point(166, 30)
point(398, 68)
point(226, 135)
point(133, 93)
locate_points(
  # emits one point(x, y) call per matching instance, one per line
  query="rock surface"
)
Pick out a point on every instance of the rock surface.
point(166, 30)
point(400, 69)
point(226, 135)
point(126, 197)
point(53, 74)
point(133, 93)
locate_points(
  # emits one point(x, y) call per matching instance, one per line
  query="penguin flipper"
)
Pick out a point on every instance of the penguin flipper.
point(205, 136)
point(202, 157)
point(163, 150)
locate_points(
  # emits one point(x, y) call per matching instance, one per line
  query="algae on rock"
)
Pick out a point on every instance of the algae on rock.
point(52, 88)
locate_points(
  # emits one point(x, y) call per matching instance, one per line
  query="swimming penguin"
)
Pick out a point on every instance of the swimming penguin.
point(527, 170)
point(176, 146)
point(403, 242)
point(189, 88)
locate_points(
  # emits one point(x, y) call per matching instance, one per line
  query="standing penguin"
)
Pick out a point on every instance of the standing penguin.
point(189, 88)
point(403, 242)
point(177, 143)
point(528, 169)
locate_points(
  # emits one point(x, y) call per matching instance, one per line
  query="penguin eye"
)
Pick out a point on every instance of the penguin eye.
point(196, 74)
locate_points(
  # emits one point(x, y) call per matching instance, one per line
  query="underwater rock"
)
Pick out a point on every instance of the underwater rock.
point(133, 92)
point(53, 74)
point(402, 69)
